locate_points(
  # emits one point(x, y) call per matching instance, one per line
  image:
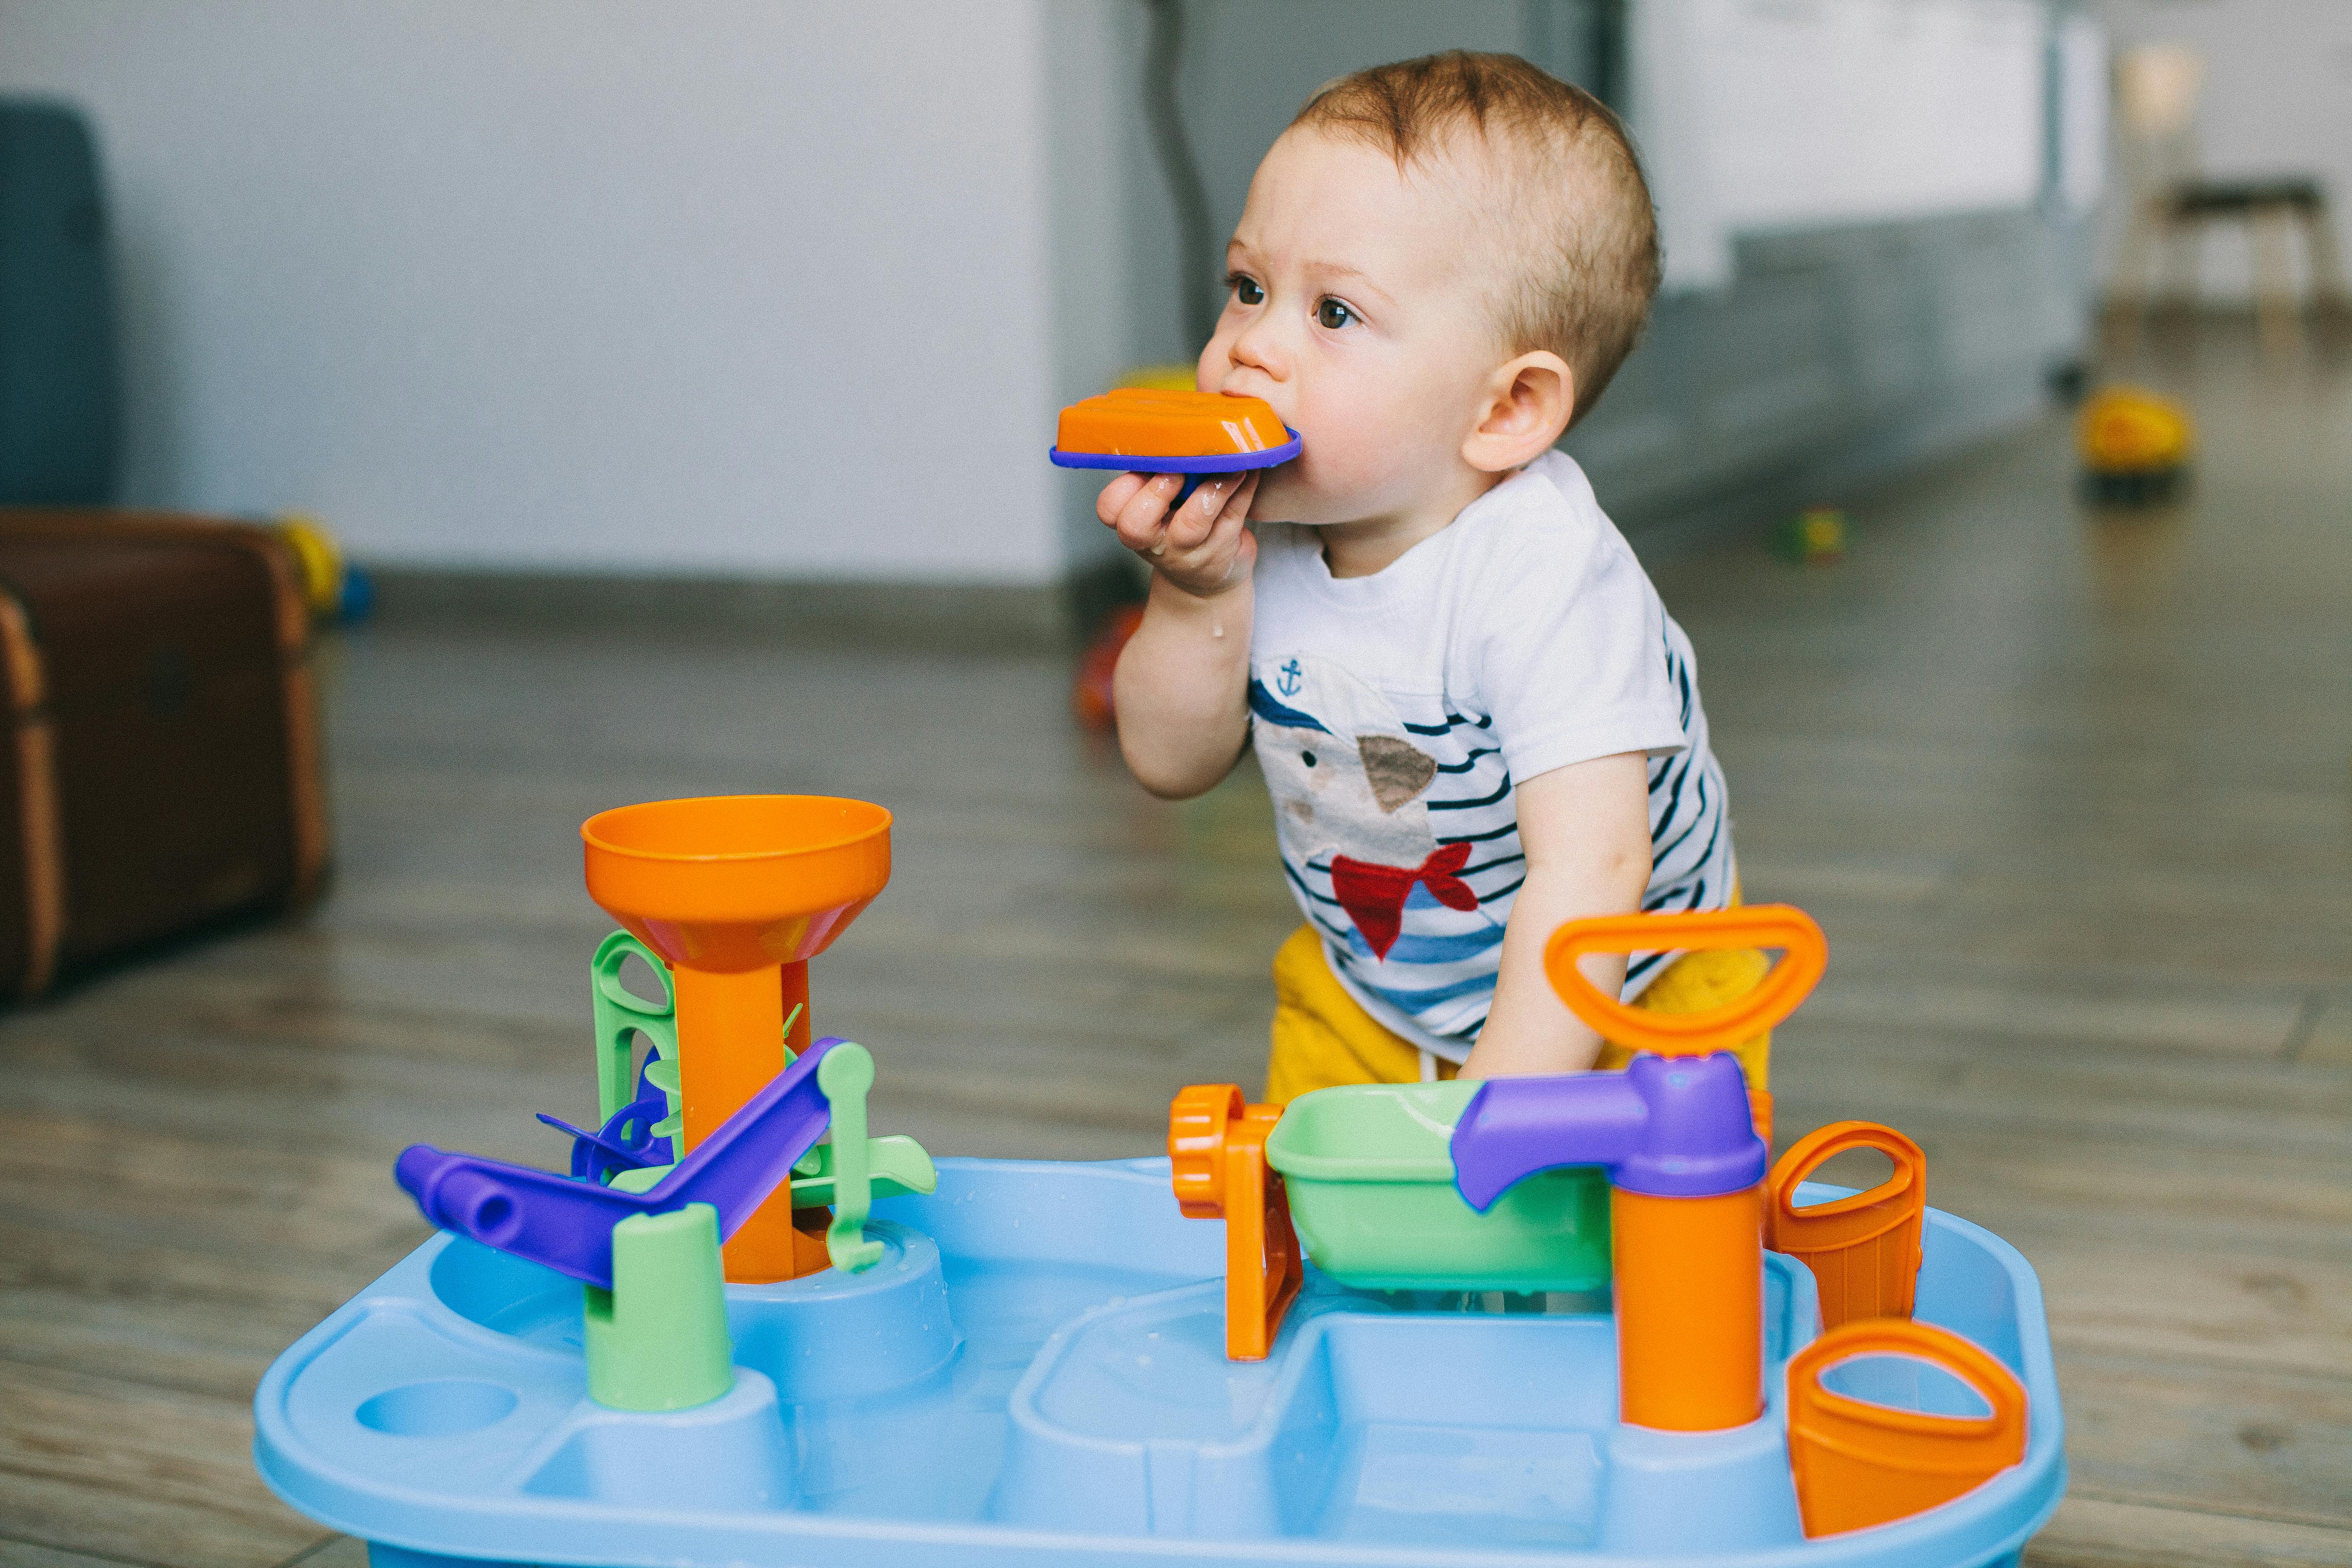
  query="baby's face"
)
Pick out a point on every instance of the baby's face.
point(1356, 311)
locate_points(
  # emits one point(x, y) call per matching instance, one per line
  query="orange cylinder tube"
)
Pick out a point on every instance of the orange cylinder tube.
point(731, 1045)
point(1690, 1310)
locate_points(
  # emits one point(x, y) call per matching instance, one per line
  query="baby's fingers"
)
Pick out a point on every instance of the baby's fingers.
point(1226, 515)
point(1236, 509)
point(1197, 518)
point(1142, 521)
point(1228, 531)
point(1115, 495)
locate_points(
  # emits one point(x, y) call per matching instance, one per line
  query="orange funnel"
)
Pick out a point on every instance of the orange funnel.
point(738, 893)
point(732, 882)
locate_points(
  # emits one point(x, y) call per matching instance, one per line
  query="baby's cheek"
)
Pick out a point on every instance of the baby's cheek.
point(1359, 454)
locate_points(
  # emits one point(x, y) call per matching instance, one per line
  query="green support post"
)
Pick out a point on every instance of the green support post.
point(657, 1339)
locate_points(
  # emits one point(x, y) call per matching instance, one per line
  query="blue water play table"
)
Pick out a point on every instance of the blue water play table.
point(1034, 1374)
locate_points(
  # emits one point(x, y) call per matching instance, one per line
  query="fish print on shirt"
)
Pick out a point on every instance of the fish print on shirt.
point(1367, 802)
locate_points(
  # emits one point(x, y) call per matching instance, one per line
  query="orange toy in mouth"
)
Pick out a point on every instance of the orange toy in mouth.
point(1172, 433)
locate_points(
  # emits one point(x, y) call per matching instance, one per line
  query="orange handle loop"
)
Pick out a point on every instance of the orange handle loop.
point(1779, 994)
point(1863, 1250)
point(1857, 1464)
point(1860, 1214)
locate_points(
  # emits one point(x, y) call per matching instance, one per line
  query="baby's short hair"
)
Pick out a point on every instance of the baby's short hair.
point(1580, 235)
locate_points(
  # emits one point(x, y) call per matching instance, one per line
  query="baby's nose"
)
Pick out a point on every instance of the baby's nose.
point(1257, 347)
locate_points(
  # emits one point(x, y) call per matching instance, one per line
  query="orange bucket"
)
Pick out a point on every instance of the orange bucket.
point(1863, 1250)
point(1857, 1464)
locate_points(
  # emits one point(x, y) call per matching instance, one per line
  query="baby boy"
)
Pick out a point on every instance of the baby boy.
point(1475, 715)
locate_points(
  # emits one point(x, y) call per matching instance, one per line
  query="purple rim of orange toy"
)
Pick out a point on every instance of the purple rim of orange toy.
point(1206, 463)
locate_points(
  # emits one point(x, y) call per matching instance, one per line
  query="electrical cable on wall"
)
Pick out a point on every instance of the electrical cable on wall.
point(1196, 272)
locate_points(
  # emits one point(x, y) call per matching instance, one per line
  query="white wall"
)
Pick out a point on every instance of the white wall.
point(2277, 100)
point(726, 286)
point(1764, 115)
point(1752, 115)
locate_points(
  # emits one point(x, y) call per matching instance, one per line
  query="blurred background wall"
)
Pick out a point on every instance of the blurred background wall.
point(2275, 96)
point(586, 285)
point(1877, 246)
point(768, 290)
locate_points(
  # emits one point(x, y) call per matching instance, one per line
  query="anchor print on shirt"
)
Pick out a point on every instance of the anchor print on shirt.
point(1348, 782)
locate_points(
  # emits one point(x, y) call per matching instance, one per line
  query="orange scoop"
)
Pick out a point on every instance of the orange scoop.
point(1172, 432)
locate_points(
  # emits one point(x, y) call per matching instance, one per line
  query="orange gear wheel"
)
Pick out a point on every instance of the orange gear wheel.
point(1216, 1158)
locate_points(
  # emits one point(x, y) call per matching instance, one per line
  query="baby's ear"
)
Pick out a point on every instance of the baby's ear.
point(1398, 771)
point(1528, 403)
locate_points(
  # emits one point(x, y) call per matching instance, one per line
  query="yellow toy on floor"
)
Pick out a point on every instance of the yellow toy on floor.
point(2135, 443)
point(335, 587)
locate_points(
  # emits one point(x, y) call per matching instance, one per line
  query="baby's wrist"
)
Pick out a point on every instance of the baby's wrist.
point(1236, 577)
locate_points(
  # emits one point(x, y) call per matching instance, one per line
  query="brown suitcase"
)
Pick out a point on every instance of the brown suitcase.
point(165, 770)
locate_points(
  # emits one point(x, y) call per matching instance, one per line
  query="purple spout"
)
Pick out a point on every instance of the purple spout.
point(567, 1223)
point(1678, 1128)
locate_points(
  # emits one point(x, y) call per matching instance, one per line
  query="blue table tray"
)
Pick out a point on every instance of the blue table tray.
point(1034, 1376)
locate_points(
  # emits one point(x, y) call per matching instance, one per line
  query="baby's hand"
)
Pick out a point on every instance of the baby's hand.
point(1202, 547)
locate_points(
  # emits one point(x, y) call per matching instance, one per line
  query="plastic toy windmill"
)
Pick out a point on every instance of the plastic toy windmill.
point(737, 893)
point(727, 898)
point(1196, 434)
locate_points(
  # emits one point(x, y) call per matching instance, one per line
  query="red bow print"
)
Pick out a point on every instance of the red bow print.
point(1374, 896)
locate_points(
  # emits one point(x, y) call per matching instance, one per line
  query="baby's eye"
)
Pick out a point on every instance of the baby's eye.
point(1332, 313)
point(1245, 290)
point(1307, 757)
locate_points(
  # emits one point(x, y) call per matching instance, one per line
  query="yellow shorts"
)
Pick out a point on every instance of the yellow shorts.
point(1323, 1036)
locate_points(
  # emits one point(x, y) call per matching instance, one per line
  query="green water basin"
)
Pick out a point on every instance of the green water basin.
point(1370, 1178)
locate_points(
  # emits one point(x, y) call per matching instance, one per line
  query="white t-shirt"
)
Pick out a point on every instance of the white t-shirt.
point(1393, 715)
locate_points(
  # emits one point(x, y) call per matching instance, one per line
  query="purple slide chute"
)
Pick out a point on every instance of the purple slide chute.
point(567, 1223)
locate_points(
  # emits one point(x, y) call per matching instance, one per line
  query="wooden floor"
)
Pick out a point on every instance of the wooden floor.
point(2069, 793)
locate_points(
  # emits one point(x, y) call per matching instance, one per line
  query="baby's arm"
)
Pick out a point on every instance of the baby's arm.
point(1586, 832)
point(1182, 687)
